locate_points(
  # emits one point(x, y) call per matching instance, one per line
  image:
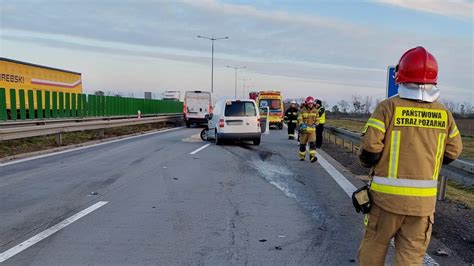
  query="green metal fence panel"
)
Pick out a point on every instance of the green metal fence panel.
point(13, 108)
point(21, 97)
point(103, 106)
point(51, 104)
point(93, 105)
point(54, 111)
point(67, 104)
point(61, 104)
point(100, 109)
point(93, 102)
point(96, 105)
point(97, 101)
point(31, 105)
point(73, 105)
point(47, 104)
point(115, 102)
point(90, 105)
point(85, 106)
point(3, 105)
point(79, 105)
point(39, 104)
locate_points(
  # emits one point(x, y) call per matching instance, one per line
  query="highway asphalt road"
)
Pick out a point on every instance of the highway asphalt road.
point(232, 204)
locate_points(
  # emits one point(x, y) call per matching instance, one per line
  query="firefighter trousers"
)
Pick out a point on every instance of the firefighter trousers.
point(291, 129)
point(411, 234)
point(304, 138)
point(319, 135)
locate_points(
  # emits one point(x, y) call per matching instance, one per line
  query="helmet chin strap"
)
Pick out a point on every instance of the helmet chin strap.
point(420, 92)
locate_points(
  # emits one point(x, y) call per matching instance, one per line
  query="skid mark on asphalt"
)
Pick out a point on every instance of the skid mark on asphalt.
point(273, 173)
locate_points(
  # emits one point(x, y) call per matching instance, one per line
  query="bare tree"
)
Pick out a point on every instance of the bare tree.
point(367, 104)
point(335, 109)
point(450, 105)
point(344, 106)
point(356, 103)
point(99, 93)
point(325, 105)
point(468, 108)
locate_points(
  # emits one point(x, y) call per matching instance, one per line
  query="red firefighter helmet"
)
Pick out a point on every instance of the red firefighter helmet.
point(309, 99)
point(417, 66)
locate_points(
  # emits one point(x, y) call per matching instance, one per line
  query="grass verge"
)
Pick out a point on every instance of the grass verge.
point(20, 146)
point(460, 194)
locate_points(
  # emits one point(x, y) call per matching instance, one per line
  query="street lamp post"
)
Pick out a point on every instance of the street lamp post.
point(212, 39)
point(244, 90)
point(235, 86)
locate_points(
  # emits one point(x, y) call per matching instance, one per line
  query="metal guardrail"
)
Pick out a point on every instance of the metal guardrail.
point(59, 128)
point(458, 164)
point(23, 123)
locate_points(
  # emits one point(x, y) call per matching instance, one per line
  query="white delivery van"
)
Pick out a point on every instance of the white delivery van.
point(197, 104)
point(235, 119)
point(171, 96)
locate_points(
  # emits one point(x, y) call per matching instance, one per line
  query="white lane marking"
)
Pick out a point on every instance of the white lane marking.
point(48, 232)
point(337, 176)
point(83, 147)
point(349, 188)
point(200, 149)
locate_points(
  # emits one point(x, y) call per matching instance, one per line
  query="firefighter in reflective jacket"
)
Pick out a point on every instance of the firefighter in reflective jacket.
point(322, 121)
point(307, 121)
point(291, 117)
point(405, 141)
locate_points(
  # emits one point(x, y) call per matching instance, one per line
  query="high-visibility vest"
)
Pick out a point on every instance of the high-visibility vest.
point(322, 117)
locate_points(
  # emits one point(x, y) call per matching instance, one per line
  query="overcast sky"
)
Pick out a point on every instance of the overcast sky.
point(327, 49)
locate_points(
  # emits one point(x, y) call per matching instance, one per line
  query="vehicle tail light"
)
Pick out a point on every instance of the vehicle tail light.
point(210, 109)
point(258, 122)
point(221, 122)
point(184, 110)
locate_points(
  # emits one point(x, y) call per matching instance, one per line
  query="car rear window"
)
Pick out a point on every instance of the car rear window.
point(240, 109)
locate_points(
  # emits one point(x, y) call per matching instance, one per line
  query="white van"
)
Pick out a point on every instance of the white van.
point(197, 104)
point(235, 119)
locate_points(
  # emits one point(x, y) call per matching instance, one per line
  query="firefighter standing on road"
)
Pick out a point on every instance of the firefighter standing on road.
point(406, 140)
point(322, 121)
point(291, 117)
point(307, 121)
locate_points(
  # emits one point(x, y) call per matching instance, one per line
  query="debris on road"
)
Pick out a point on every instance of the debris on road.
point(262, 240)
point(278, 248)
point(441, 253)
point(94, 193)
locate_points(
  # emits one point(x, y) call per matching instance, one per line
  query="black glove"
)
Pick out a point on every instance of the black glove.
point(361, 200)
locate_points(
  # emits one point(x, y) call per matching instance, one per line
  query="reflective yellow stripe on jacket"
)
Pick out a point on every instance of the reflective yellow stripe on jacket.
point(394, 154)
point(375, 123)
point(454, 133)
point(404, 187)
point(439, 154)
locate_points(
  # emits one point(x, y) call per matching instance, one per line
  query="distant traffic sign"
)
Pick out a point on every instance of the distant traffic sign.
point(392, 87)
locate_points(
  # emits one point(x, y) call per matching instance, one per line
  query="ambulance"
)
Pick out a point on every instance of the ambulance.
point(274, 101)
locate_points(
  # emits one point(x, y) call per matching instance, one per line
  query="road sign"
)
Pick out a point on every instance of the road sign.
point(392, 87)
